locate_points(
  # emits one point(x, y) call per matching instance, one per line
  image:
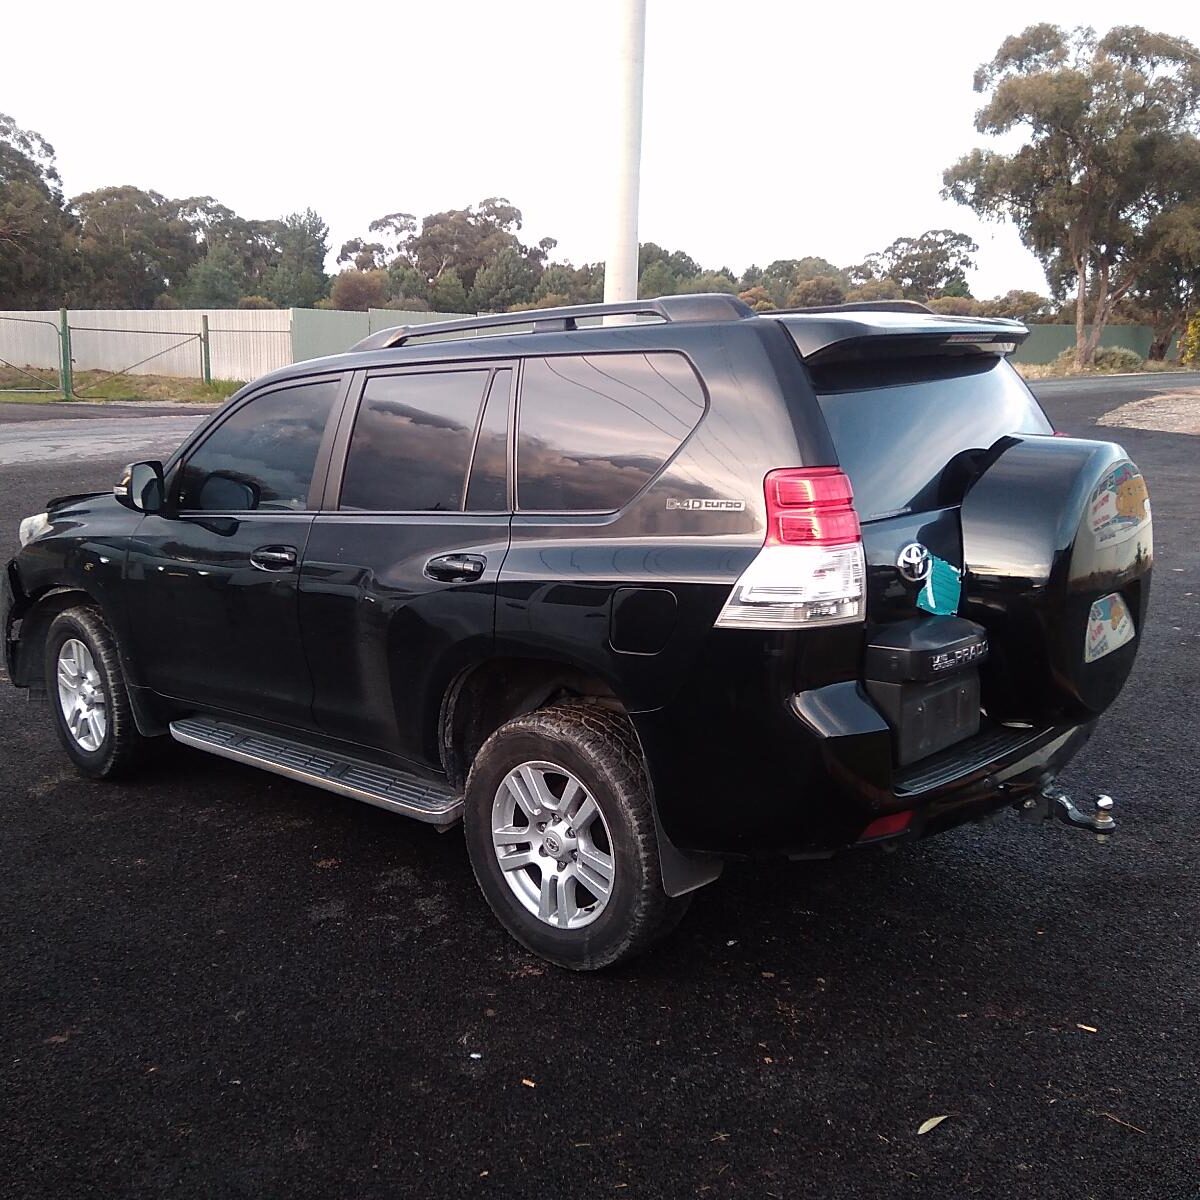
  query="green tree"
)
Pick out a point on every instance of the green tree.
point(298, 279)
point(218, 280)
point(657, 280)
point(405, 283)
point(133, 246)
point(934, 264)
point(558, 279)
point(709, 281)
point(1107, 123)
point(447, 293)
point(35, 226)
point(957, 306)
point(816, 293)
point(680, 265)
point(758, 298)
point(874, 290)
point(358, 291)
point(507, 279)
point(1189, 344)
point(1026, 306)
point(784, 274)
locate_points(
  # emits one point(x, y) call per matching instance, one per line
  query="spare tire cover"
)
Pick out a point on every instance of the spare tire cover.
point(1057, 551)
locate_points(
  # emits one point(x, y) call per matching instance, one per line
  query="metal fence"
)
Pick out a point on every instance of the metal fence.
point(48, 352)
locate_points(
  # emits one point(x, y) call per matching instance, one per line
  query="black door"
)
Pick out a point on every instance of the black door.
point(212, 581)
point(397, 593)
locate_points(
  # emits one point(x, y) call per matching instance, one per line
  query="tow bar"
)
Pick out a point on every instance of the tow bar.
point(1053, 804)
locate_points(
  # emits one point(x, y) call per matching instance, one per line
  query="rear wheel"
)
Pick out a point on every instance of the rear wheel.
point(561, 837)
point(88, 698)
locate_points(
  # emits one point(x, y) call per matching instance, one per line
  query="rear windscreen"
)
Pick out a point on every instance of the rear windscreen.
point(910, 433)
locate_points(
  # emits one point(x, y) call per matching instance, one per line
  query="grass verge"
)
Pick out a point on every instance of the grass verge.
point(99, 386)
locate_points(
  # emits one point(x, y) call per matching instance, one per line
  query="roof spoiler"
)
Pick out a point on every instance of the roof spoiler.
point(703, 306)
point(864, 306)
point(843, 337)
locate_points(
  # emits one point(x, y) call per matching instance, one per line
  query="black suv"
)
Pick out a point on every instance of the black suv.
point(626, 589)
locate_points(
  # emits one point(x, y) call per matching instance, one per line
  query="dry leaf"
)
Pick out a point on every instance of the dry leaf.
point(932, 1123)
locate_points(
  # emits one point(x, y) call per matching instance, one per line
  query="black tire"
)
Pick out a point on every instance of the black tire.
point(599, 748)
point(122, 745)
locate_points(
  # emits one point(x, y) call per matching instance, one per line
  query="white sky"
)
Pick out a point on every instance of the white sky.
point(773, 128)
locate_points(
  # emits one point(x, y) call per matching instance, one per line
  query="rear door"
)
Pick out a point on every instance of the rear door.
point(913, 434)
point(398, 587)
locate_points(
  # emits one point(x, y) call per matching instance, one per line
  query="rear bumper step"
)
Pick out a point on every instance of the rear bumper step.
point(436, 804)
point(938, 769)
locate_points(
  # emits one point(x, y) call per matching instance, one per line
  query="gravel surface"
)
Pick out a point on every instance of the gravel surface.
point(217, 983)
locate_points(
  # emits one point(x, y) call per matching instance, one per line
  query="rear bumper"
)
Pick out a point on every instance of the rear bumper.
point(809, 778)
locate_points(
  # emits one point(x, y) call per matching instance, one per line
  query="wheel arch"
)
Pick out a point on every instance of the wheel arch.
point(37, 615)
point(483, 697)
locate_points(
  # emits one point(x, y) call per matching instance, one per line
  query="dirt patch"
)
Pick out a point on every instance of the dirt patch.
point(1169, 412)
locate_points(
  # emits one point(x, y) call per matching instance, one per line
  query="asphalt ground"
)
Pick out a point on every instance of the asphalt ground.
point(218, 983)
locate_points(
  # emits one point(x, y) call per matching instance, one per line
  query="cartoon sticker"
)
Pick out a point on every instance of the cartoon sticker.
point(1119, 507)
point(1109, 627)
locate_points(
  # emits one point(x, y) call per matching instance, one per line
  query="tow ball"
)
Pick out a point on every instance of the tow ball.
point(1053, 804)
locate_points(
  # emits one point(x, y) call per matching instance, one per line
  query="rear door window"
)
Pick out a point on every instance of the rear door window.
point(594, 429)
point(907, 431)
point(412, 442)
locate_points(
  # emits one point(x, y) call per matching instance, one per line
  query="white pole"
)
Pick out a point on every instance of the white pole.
point(621, 269)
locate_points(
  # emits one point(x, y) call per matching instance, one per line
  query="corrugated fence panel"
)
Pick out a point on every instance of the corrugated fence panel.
point(317, 332)
point(30, 339)
point(247, 343)
point(250, 344)
point(244, 343)
point(1046, 342)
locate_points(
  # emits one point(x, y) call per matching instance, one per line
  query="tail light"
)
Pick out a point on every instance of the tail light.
point(810, 569)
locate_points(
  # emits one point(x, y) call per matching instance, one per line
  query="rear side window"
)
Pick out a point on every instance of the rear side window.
point(263, 455)
point(594, 429)
point(412, 442)
point(487, 490)
point(906, 430)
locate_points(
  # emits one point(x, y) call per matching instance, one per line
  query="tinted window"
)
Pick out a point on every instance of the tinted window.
point(594, 429)
point(488, 487)
point(905, 430)
point(263, 455)
point(412, 442)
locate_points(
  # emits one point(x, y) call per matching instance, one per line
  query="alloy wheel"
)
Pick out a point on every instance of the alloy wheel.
point(81, 695)
point(553, 845)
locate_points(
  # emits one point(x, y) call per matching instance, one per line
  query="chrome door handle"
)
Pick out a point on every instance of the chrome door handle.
point(455, 568)
point(274, 558)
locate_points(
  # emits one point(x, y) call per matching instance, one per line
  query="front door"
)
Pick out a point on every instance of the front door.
point(398, 589)
point(212, 580)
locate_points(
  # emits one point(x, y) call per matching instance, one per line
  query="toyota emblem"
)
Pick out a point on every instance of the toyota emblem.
point(914, 562)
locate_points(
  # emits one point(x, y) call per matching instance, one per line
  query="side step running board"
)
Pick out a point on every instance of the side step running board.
point(385, 787)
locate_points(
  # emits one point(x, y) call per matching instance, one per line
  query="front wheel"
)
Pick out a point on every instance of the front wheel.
point(86, 687)
point(562, 840)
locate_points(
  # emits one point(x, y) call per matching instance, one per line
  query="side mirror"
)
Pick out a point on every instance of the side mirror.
point(142, 487)
point(222, 492)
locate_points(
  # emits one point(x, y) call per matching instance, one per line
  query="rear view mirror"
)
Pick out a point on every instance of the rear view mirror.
point(141, 487)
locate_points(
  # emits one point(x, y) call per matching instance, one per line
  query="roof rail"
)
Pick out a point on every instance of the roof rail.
point(703, 306)
point(862, 306)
